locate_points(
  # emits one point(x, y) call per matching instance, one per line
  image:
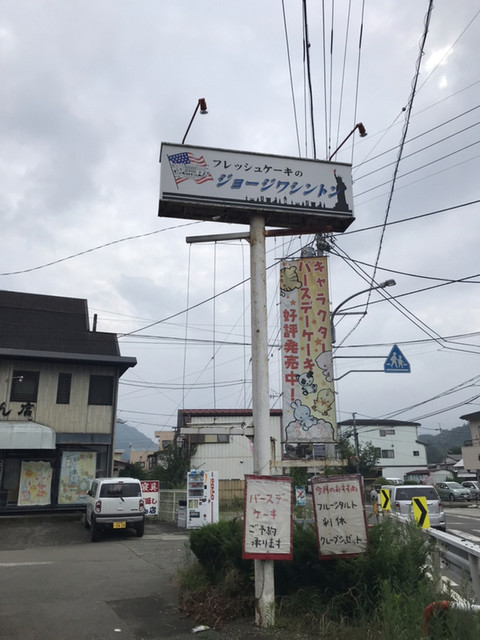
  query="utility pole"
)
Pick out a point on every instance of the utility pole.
point(355, 440)
point(264, 569)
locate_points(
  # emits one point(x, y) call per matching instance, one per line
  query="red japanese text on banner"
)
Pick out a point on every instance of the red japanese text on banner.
point(267, 522)
point(307, 366)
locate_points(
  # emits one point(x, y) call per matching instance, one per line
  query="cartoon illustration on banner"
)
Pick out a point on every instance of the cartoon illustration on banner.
point(307, 365)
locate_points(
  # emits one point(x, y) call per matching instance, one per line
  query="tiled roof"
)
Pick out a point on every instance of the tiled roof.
point(32, 322)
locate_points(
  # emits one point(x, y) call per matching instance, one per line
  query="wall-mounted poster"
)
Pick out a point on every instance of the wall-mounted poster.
point(267, 530)
point(35, 483)
point(76, 475)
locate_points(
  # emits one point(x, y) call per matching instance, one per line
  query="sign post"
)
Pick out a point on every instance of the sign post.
point(201, 183)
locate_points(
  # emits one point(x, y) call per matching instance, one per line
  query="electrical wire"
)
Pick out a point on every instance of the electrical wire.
point(309, 75)
point(287, 44)
point(357, 81)
point(416, 169)
point(417, 137)
point(344, 65)
point(100, 246)
point(429, 146)
point(403, 138)
point(410, 218)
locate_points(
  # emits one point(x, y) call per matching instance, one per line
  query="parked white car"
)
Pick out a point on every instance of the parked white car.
point(114, 503)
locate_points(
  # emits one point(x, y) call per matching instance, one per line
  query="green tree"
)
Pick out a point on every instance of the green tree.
point(134, 470)
point(173, 467)
point(366, 460)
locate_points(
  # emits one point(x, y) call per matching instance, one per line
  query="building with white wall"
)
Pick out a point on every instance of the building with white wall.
point(395, 441)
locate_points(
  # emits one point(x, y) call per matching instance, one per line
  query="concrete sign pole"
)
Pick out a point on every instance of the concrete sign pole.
point(264, 569)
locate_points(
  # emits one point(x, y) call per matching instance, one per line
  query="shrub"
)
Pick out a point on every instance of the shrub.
point(385, 589)
point(218, 549)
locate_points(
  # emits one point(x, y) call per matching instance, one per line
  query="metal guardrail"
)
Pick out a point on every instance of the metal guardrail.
point(457, 557)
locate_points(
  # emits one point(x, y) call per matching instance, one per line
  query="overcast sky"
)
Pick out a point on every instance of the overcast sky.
point(91, 89)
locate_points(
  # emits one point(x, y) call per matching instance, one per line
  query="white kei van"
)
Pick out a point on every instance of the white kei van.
point(114, 503)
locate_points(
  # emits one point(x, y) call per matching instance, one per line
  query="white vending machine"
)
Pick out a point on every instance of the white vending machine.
point(202, 498)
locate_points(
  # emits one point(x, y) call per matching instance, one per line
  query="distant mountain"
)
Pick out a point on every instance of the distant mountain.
point(127, 437)
point(439, 445)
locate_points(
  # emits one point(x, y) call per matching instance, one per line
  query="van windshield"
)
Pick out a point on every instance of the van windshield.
point(416, 492)
point(120, 490)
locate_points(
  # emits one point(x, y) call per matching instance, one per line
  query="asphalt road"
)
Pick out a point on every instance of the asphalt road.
point(57, 585)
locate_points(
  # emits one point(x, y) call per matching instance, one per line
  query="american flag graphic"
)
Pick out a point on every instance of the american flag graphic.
point(185, 166)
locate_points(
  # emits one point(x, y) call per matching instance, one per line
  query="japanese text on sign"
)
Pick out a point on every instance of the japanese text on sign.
point(150, 495)
point(267, 518)
point(288, 189)
point(307, 366)
point(339, 516)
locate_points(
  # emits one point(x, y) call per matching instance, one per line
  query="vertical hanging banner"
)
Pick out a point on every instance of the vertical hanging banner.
point(267, 519)
point(307, 365)
point(339, 516)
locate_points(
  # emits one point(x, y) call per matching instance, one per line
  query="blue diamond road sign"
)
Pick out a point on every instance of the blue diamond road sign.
point(396, 362)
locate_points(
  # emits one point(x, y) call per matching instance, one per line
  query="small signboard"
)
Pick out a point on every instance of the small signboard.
point(396, 362)
point(267, 520)
point(420, 512)
point(201, 183)
point(385, 499)
point(339, 516)
point(300, 496)
point(150, 490)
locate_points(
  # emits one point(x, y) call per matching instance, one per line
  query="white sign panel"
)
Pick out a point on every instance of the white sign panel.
point(267, 521)
point(150, 493)
point(339, 516)
point(202, 183)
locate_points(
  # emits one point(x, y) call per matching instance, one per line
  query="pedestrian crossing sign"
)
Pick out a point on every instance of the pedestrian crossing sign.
point(396, 362)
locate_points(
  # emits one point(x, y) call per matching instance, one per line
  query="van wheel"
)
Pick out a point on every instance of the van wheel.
point(139, 530)
point(94, 532)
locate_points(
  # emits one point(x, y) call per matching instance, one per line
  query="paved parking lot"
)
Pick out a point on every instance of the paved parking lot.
point(57, 585)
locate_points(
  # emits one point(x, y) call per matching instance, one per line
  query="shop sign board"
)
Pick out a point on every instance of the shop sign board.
point(267, 520)
point(339, 510)
point(150, 493)
point(203, 183)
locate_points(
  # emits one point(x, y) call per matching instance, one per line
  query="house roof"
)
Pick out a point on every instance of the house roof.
point(47, 327)
point(373, 422)
point(471, 416)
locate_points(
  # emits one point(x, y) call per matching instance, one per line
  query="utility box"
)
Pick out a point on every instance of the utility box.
point(202, 498)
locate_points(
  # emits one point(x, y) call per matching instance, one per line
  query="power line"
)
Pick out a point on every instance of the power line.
point(410, 218)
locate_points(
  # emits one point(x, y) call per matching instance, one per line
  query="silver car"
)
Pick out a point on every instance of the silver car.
point(401, 503)
point(474, 487)
point(453, 491)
